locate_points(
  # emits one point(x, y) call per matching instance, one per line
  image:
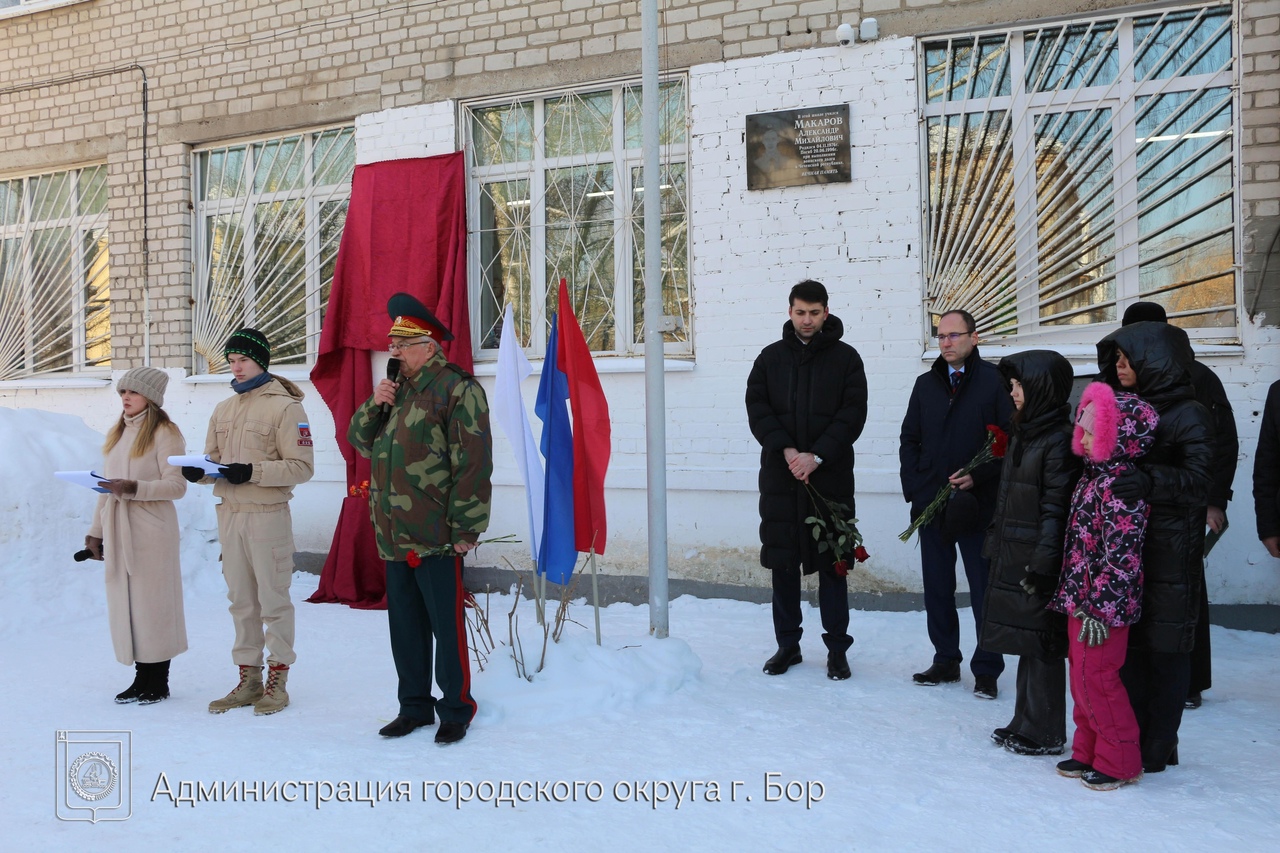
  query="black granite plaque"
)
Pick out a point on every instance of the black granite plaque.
point(795, 148)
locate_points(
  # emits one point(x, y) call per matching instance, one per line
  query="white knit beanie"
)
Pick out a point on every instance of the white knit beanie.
point(147, 381)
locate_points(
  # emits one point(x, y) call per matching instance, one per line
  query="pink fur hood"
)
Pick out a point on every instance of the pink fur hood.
point(1124, 424)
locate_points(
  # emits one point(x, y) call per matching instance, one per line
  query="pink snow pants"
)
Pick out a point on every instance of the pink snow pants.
point(1106, 730)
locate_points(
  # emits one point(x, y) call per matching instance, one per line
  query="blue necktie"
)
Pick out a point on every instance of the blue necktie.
point(955, 380)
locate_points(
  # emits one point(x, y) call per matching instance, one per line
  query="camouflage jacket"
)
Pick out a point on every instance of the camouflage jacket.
point(431, 463)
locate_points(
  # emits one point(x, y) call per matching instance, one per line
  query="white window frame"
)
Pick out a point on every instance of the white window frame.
point(1121, 97)
point(623, 161)
point(312, 196)
point(79, 225)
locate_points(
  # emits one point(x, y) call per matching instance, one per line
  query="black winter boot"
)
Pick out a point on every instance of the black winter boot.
point(1159, 754)
point(130, 693)
point(157, 683)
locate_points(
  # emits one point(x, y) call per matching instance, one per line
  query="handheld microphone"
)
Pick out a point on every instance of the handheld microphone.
point(393, 373)
point(81, 556)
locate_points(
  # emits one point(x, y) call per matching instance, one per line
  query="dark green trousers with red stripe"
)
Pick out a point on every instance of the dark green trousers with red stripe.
point(424, 610)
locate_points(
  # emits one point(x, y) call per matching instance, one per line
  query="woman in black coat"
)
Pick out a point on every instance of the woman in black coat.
point(1024, 544)
point(1154, 360)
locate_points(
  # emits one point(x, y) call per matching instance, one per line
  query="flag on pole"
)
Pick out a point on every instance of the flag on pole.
point(591, 430)
point(508, 409)
point(556, 552)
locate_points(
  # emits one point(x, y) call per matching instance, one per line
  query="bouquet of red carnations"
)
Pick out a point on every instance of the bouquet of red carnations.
point(996, 444)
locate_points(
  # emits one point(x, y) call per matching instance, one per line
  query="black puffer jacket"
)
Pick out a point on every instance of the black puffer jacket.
point(941, 433)
point(1266, 468)
point(813, 398)
point(1032, 504)
point(1180, 465)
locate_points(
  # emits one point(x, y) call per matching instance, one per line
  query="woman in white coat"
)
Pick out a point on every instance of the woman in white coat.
point(135, 529)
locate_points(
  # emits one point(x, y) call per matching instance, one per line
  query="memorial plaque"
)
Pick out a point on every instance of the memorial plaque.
point(796, 148)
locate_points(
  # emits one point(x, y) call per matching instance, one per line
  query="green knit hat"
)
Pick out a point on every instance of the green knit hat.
point(252, 343)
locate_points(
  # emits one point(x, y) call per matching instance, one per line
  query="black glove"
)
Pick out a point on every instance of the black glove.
point(1132, 485)
point(192, 474)
point(1034, 583)
point(237, 472)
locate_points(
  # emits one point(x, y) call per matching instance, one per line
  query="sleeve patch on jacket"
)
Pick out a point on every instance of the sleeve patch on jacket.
point(304, 435)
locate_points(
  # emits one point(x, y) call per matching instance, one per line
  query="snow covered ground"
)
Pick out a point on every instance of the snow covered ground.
point(887, 764)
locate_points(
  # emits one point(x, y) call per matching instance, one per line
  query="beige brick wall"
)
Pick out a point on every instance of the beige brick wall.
point(218, 71)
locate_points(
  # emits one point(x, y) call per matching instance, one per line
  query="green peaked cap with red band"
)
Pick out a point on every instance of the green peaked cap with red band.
point(411, 319)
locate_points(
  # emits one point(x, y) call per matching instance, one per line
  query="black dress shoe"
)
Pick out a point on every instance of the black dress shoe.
point(782, 660)
point(451, 732)
point(1194, 700)
point(837, 666)
point(984, 687)
point(1000, 735)
point(402, 725)
point(939, 673)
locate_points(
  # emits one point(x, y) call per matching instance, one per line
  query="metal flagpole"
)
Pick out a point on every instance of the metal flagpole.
point(655, 391)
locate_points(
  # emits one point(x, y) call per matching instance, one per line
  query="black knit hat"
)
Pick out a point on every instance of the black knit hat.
point(252, 343)
point(1140, 312)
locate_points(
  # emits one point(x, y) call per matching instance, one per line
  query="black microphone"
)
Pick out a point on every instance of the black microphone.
point(393, 373)
point(81, 556)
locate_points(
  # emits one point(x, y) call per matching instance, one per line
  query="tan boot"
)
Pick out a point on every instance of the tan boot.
point(248, 691)
point(275, 698)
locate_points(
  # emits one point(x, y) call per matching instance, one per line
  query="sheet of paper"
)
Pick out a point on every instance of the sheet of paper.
point(88, 479)
point(202, 462)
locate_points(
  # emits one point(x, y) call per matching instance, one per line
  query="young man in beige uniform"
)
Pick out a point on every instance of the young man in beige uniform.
point(262, 439)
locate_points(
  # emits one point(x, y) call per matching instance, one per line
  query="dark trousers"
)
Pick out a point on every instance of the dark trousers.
point(424, 608)
point(1201, 662)
point(833, 604)
point(1157, 684)
point(938, 561)
point(1040, 707)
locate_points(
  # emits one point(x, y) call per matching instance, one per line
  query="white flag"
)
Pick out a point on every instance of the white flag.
point(508, 409)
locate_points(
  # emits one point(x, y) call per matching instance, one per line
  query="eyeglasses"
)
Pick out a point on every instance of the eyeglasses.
point(953, 337)
point(402, 347)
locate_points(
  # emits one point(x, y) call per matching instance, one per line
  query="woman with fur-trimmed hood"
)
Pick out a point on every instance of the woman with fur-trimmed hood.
point(1101, 585)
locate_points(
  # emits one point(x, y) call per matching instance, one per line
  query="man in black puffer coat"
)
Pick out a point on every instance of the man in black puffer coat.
point(1153, 360)
point(944, 428)
point(806, 403)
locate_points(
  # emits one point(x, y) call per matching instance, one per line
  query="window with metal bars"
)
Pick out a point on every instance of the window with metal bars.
point(55, 274)
point(268, 221)
point(1075, 168)
point(556, 190)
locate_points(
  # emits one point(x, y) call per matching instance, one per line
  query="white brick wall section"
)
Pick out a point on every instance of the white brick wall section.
point(407, 132)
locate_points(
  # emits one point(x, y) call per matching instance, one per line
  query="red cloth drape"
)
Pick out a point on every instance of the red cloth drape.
point(406, 231)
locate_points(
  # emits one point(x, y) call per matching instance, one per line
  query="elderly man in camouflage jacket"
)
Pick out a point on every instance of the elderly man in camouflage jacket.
point(432, 457)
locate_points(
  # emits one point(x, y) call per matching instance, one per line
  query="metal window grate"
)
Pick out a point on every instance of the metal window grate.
point(268, 223)
point(55, 273)
point(556, 190)
point(1075, 168)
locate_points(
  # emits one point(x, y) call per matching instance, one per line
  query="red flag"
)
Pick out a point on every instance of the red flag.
point(591, 430)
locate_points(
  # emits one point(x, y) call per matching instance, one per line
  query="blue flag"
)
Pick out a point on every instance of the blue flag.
point(556, 553)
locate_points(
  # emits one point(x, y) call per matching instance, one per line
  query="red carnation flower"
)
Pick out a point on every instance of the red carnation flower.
point(413, 560)
point(999, 441)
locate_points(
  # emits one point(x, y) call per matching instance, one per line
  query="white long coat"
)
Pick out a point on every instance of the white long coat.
point(140, 546)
